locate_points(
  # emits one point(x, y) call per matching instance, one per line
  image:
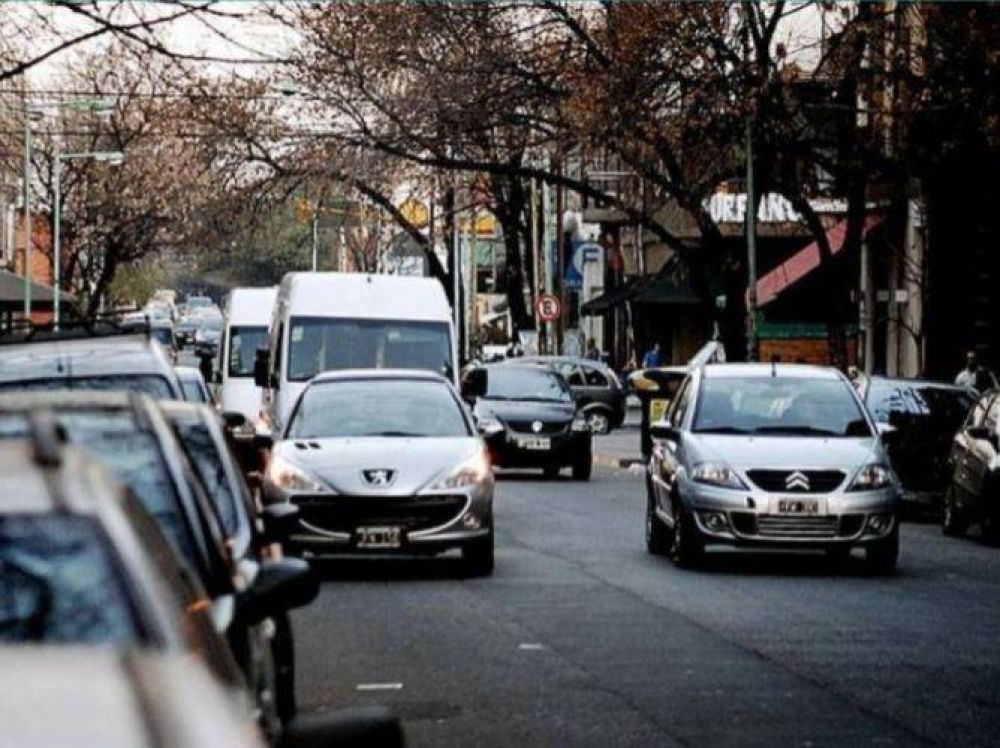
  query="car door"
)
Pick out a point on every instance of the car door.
point(964, 447)
point(574, 378)
point(595, 386)
point(663, 460)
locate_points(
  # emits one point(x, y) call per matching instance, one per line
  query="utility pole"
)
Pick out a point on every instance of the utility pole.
point(27, 212)
point(536, 257)
point(751, 230)
point(560, 253)
point(315, 239)
point(550, 337)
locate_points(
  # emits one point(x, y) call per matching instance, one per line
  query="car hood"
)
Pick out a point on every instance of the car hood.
point(785, 452)
point(416, 461)
point(525, 410)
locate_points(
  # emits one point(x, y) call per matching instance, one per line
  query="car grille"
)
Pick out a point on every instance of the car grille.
point(820, 481)
point(548, 427)
point(781, 526)
point(347, 513)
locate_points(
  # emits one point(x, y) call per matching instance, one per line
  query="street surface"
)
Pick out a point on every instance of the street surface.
point(582, 638)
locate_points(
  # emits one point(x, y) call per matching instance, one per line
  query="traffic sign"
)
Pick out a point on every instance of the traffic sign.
point(548, 308)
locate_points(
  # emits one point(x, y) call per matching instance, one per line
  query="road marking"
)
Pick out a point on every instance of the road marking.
point(379, 687)
point(530, 646)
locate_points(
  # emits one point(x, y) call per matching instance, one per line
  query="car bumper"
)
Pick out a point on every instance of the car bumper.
point(505, 449)
point(753, 517)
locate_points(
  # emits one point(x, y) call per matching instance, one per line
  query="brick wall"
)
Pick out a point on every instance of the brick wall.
point(810, 350)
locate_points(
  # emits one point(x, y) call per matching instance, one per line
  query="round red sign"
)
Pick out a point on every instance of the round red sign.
point(548, 308)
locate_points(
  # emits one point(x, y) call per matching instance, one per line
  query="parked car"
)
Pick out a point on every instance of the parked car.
point(87, 356)
point(770, 455)
point(972, 495)
point(529, 418)
point(925, 416)
point(408, 475)
point(193, 384)
point(594, 385)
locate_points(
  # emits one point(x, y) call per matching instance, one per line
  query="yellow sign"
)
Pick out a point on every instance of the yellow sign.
point(303, 210)
point(486, 225)
point(415, 212)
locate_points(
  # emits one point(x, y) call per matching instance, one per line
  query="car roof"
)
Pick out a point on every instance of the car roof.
point(762, 370)
point(251, 306)
point(904, 381)
point(568, 359)
point(92, 697)
point(341, 375)
point(83, 357)
point(188, 372)
point(18, 402)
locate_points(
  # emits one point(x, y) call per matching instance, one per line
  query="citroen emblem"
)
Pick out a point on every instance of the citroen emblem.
point(797, 480)
point(378, 477)
point(536, 426)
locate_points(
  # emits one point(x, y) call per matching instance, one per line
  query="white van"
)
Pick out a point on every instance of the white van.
point(248, 319)
point(327, 321)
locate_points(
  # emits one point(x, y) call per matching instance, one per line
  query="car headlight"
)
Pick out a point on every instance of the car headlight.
point(289, 477)
point(579, 424)
point(474, 470)
point(716, 474)
point(871, 478)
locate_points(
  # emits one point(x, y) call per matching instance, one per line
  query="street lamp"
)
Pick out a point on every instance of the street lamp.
point(114, 158)
point(34, 111)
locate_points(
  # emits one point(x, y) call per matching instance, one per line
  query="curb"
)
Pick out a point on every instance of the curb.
point(617, 463)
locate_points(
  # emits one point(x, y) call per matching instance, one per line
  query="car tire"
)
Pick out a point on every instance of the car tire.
point(599, 421)
point(954, 523)
point(583, 466)
point(551, 472)
point(658, 535)
point(881, 556)
point(687, 548)
point(478, 556)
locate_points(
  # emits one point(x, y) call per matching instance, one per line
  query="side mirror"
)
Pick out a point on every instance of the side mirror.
point(263, 441)
point(886, 430)
point(280, 585)
point(217, 377)
point(234, 420)
point(357, 727)
point(664, 431)
point(488, 428)
point(474, 384)
point(262, 368)
point(280, 521)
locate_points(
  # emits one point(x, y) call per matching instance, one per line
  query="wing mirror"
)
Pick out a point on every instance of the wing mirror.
point(262, 368)
point(886, 430)
point(233, 420)
point(488, 427)
point(280, 585)
point(664, 431)
point(280, 521)
point(357, 727)
point(474, 384)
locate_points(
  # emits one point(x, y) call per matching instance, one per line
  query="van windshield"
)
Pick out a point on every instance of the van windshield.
point(243, 345)
point(318, 344)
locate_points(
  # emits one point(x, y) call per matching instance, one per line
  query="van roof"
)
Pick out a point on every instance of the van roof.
point(364, 296)
point(251, 306)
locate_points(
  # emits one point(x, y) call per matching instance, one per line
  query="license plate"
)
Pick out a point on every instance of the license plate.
point(379, 537)
point(798, 506)
point(657, 409)
point(534, 442)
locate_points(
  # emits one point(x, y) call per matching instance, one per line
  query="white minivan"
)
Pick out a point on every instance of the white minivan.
point(248, 318)
point(329, 321)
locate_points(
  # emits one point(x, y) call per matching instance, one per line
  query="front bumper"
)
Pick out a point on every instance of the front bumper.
point(564, 449)
point(428, 522)
point(752, 517)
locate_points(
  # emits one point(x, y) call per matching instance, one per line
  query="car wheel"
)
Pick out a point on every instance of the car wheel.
point(599, 422)
point(658, 536)
point(582, 466)
point(882, 555)
point(551, 472)
point(478, 556)
point(954, 522)
point(688, 546)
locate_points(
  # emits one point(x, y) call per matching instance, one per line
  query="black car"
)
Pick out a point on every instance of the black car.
point(975, 459)
point(925, 416)
point(597, 390)
point(529, 418)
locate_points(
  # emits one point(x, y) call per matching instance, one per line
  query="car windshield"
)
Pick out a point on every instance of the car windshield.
point(243, 345)
point(319, 344)
point(149, 384)
point(377, 408)
point(526, 383)
point(202, 450)
point(778, 406)
point(193, 391)
point(193, 302)
point(59, 584)
point(918, 404)
point(130, 454)
point(163, 334)
point(210, 323)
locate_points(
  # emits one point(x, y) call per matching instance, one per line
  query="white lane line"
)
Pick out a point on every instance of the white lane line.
point(530, 646)
point(379, 687)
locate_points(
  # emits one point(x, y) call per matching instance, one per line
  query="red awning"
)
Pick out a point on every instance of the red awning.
point(803, 262)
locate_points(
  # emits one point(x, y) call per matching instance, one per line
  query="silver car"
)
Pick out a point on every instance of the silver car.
point(770, 455)
point(385, 461)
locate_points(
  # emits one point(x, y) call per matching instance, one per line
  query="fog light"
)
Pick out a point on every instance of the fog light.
point(879, 522)
point(470, 521)
point(714, 521)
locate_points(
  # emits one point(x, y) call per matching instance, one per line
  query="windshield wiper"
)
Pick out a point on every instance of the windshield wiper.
point(393, 433)
point(795, 431)
point(722, 430)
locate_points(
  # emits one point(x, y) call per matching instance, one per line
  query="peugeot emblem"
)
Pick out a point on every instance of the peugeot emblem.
point(797, 480)
point(536, 426)
point(378, 477)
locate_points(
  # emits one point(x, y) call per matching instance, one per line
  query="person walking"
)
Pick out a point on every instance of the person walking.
point(592, 353)
point(653, 357)
point(973, 375)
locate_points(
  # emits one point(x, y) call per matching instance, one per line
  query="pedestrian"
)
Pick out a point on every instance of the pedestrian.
point(973, 375)
point(592, 353)
point(653, 357)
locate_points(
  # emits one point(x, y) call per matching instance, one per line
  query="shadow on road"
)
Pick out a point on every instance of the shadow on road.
point(783, 564)
point(388, 568)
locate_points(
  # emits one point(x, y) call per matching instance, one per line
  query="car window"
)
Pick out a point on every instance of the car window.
point(594, 377)
point(243, 345)
point(404, 408)
point(571, 373)
point(59, 583)
point(193, 391)
point(150, 384)
point(919, 405)
point(777, 405)
point(679, 405)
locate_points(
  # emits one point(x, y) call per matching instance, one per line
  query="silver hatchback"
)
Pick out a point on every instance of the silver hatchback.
point(770, 455)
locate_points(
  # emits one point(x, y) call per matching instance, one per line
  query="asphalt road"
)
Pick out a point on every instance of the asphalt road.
point(581, 638)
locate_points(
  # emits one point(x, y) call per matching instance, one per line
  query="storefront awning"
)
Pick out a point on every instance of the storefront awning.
point(12, 294)
point(649, 289)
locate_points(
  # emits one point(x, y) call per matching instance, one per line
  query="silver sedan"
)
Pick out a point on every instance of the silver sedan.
point(382, 461)
point(775, 455)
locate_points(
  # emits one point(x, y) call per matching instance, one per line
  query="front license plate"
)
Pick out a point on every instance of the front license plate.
point(379, 537)
point(798, 506)
point(657, 409)
point(534, 442)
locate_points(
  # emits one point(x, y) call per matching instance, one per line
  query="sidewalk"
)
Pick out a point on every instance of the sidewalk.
point(620, 448)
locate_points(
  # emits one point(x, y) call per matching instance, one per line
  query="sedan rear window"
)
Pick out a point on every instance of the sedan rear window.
point(149, 384)
point(59, 584)
point(904, 403)
point(777, 406)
